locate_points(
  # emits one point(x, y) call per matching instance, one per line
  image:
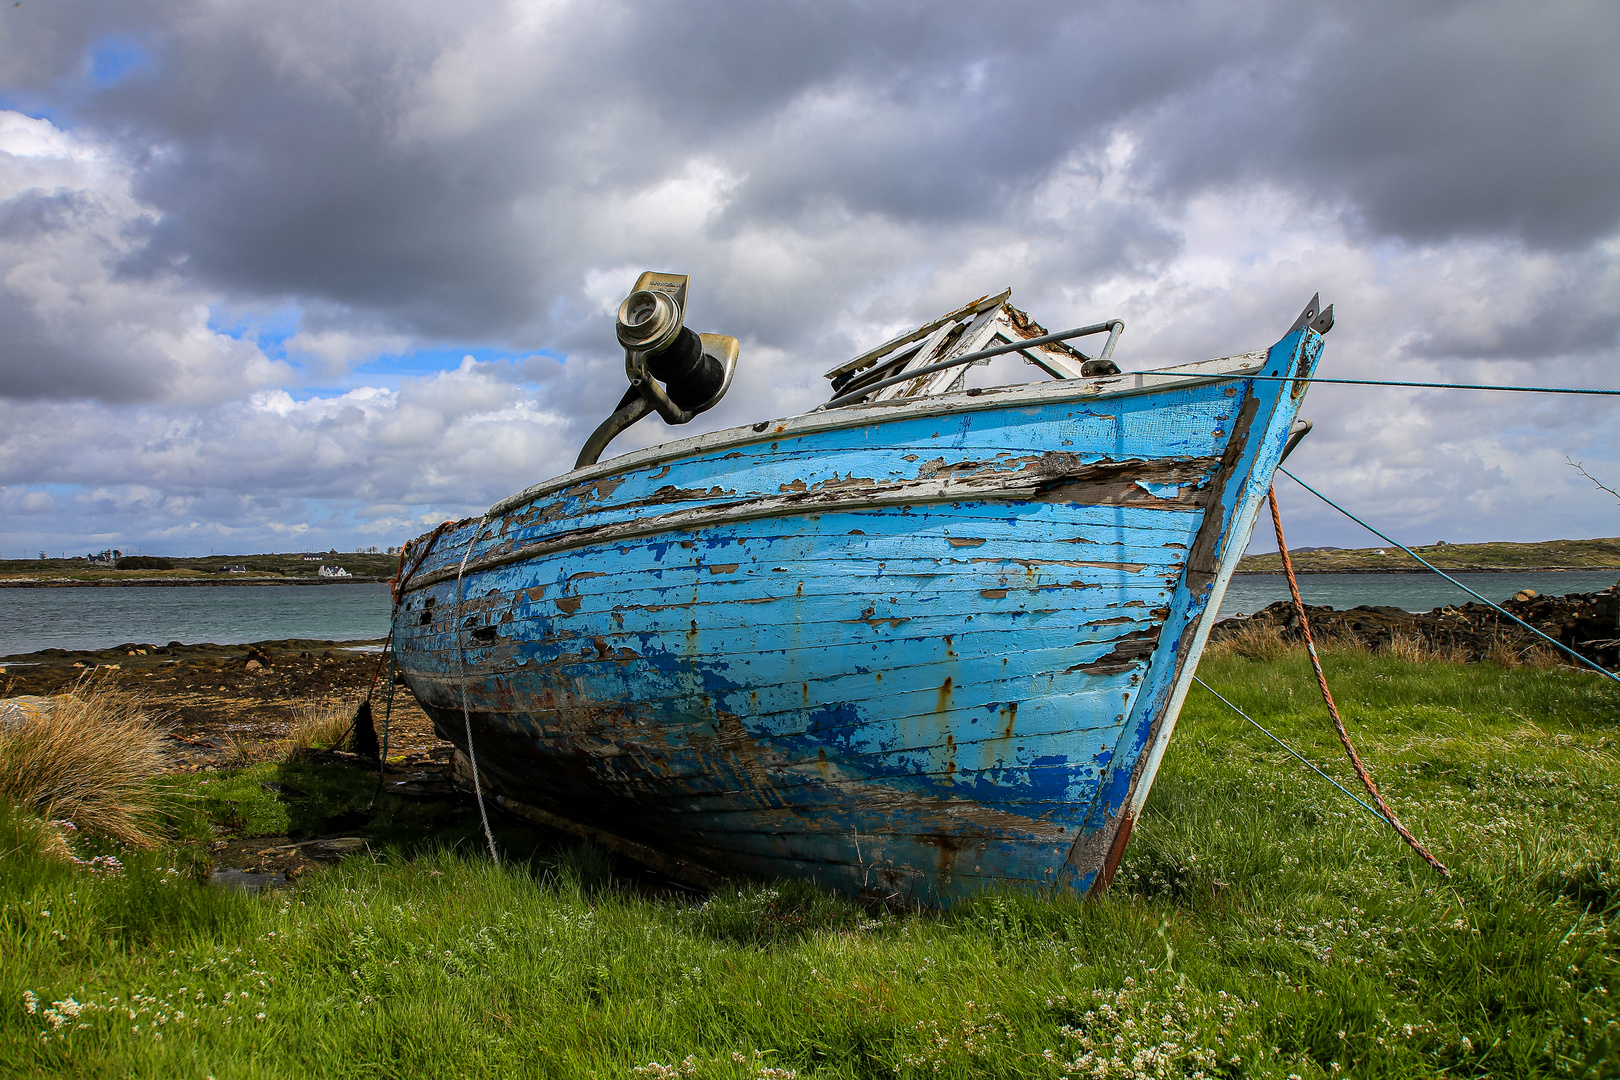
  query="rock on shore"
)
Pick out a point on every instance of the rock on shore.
point(1589, 623)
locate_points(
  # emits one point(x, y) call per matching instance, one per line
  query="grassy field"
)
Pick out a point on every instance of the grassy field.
point(1600, 554)
point(1261, 925)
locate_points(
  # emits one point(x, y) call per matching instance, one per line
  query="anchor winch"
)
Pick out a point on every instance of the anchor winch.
point(673, 371)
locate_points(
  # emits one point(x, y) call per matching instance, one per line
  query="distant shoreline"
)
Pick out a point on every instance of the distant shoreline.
point(1448, 569)
point(189, 582)
point(1599, 555)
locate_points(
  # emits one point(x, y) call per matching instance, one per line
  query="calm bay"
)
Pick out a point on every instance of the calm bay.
point(1412, 592)
point(99, 617)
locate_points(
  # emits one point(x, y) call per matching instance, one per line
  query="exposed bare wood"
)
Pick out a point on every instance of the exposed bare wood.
point(873, 355)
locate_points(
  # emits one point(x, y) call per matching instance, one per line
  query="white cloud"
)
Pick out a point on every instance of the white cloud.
point(77, 321)
point(336, 351)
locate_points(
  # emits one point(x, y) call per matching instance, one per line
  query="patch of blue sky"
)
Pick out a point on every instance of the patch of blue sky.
point(384, 370)
point(268, 329)
point(271, 328)
point(113, 59)
point(35, 107)
point(54, 489)
point(417, 362)
point(107, 63)
point(447, 358)
point(389, 370)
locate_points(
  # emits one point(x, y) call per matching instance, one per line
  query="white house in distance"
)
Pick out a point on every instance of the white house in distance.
point(332, 571)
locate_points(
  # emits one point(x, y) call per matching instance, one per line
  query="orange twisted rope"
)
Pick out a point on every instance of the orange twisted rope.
point(1333, 710)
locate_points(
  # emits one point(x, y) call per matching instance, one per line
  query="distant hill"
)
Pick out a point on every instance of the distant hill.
point(1603, 554)
point(296, 568)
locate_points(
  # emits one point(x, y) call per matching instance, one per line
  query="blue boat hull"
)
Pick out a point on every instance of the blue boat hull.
point(910, 650)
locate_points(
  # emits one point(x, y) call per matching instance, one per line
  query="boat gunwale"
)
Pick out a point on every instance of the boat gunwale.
point(1236, 365)
point(903, 493)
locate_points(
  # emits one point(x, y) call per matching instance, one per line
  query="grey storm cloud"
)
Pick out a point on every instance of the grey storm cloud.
point(304, 150)
point(1434, 120)
point(406, 176)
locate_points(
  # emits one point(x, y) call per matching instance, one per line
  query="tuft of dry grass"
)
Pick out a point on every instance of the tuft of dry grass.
point(1408, 648)
point(89, 756)
point(1503, 655)
point(323, 725)
point(1342, 645)
point(1255, 642)
point(240, 752)
point(1542, 658)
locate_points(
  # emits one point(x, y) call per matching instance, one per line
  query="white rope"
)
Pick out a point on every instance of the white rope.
point(466, 717)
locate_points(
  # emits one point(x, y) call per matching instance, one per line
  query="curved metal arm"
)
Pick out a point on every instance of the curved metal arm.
point(720, 346)
point(626, 414)
point(1300, 428)
point(1115, 328)
point(642, 382)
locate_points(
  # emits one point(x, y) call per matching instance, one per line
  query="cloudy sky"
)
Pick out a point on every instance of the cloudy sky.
point(298, 275)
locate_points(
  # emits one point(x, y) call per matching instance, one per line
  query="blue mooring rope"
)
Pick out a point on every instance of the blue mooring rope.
point(1553, 641)
point(1309, 764)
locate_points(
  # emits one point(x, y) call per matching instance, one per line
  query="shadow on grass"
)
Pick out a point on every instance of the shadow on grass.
point(323, 796)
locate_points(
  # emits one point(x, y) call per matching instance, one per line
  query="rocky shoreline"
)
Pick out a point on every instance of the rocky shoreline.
point(1299, 572)
point(211, 694)
point(1588, 623)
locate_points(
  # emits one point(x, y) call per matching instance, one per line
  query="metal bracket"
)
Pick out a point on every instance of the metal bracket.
point(722, 347)
point(1314, 317)
point(1300, 428)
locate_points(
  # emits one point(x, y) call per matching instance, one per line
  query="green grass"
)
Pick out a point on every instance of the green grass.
point(1261, 925)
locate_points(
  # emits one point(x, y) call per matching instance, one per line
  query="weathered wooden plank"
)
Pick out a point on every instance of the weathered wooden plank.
point(1096, 394)
point(927, 354)
point(714, 481)
point(872, 356)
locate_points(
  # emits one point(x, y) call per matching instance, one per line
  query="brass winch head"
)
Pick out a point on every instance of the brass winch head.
point(649, 320)
point(672, 370)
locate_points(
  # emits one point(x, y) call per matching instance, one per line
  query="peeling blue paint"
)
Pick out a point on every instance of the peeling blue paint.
point(913, 656)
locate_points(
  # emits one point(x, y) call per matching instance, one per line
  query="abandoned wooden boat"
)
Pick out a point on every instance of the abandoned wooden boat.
point(922, 641)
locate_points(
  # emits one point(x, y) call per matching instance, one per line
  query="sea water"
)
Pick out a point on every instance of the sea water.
point(1413, 592)
point(101, 617)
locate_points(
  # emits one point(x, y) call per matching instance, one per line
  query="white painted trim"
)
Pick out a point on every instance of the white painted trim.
point(1178, 693)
